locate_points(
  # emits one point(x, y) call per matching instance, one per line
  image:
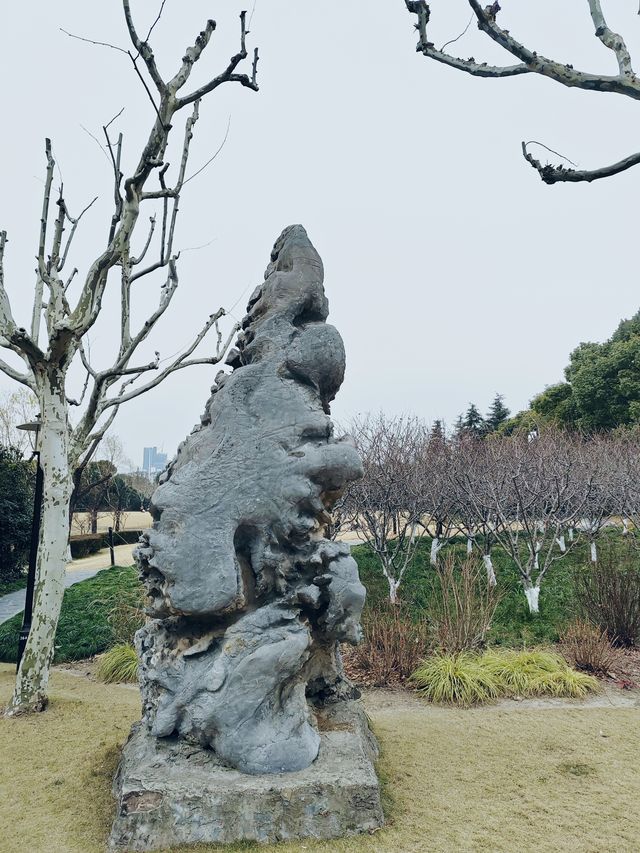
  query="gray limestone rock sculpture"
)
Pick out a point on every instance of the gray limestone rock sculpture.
point(248, 600)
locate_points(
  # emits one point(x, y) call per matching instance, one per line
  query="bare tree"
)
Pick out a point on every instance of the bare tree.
point(595, 472)
point(388, 501)
point(476, 478)
point(534, 490)
point(530, 61)
point(45, 364)
point(16, 407)
point(438, 498)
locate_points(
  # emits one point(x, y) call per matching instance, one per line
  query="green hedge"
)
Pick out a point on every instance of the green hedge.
point(123, 537)
point(85, 544)
point(91, 543)
point(83, 629)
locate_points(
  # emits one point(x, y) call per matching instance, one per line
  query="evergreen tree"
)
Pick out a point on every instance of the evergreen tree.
point(16, 512)
point(437, 431)
point(498, 414)
point(473, 422)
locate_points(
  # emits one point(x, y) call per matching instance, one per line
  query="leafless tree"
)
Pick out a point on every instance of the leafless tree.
point(597, 487)
point(69, 314)
point(440, 519)
point(530, 61)
point(388, 501)
point(16, 407)
point(476, 478)
point(623, 458)
point(534, 490)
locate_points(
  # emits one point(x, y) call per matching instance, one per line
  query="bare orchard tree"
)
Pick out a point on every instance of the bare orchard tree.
point(624, 465)
point(387, 502)
point(438, 497)
point(596, 474)
point(65, 448)
point(475, 479)
point(530, 61)
point(534, 489)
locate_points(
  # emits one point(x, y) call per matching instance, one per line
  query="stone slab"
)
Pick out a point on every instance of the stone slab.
point(170, 792)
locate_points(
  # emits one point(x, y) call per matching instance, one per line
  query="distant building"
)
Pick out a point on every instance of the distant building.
point(153, 462)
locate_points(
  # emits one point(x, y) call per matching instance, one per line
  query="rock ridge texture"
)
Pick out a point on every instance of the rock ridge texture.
point(247, 598)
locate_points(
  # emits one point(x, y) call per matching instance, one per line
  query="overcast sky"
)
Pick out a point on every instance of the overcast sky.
point(452, 272)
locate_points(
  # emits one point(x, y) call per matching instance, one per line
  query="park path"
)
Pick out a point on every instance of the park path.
point(77, 570)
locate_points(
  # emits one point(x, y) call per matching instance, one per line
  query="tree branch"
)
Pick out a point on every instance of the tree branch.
point(228, 75)
point(529, 61)
point(557, 174)
point(144, 49)
point(180, 362)
point(610, 39)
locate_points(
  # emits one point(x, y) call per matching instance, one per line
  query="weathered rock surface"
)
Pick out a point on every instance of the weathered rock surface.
point(172, 793)
point(247, 598)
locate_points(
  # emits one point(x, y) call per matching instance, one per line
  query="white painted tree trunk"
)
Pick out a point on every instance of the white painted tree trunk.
point(571, 534)
point(625, 526)
point(561, 543)
point(436, 545)
point(393, 589)
point(532, 594)
point(33, 676)
point(594, 553)
point(488, 564)
point(469, 545)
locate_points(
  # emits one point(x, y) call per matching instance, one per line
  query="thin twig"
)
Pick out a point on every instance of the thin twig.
point(92, 41)
point(211, 159)
point(457, 38)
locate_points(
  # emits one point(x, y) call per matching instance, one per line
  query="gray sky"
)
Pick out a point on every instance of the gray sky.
point(451, 270)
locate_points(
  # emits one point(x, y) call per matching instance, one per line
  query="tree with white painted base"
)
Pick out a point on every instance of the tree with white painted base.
point(533, 486)
point(388, 502)
point(472, 473)
point(66, 443)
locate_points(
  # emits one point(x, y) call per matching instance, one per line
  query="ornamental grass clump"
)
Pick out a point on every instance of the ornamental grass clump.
point(119, 664)
point(456, 679)
point(468, 679)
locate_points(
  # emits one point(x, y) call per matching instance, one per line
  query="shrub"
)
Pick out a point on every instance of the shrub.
point(120, 663)
point(122, 537)
point(456, 679)
point(85, 544)
point(608, 593)
point(16, 513)
point(589, 648)
point(462, 605)
point(393, 646)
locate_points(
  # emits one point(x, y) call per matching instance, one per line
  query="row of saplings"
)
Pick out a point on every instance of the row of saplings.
point(443, 653)
point(441, 650)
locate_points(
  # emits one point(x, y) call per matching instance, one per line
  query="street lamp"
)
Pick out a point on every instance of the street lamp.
point(33, 429)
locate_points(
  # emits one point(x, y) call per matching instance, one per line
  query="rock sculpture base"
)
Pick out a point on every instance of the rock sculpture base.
point(170, 792)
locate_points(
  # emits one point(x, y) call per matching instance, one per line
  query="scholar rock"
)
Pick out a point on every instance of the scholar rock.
point(248, 729)
point(248, 599)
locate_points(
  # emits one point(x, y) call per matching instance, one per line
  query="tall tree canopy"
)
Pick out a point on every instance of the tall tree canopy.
point(602, 387)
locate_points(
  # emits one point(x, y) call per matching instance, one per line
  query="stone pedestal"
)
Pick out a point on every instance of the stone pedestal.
point(170, 792)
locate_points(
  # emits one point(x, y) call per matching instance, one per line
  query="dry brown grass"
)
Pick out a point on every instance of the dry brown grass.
point(492, 779)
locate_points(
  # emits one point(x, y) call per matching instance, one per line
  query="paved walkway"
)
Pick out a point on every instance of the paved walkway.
point(77, 570)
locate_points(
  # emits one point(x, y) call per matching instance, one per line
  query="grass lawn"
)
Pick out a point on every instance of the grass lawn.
point(490, 779)
point(83, 629)
point(513, 625)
